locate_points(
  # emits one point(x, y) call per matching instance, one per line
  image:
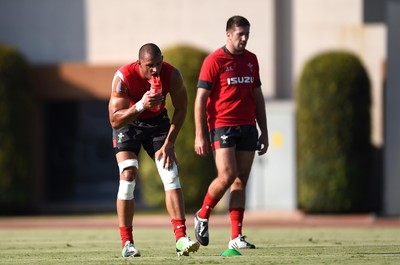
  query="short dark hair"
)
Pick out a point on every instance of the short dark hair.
point(149, 49)
point(236, 21)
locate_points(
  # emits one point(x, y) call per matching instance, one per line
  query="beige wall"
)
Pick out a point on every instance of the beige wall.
point(106, 32)
point(117, 29)
point(76, 45)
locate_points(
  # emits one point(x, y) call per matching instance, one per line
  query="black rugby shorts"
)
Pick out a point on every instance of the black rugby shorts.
point(244, 137)
point(150, 134)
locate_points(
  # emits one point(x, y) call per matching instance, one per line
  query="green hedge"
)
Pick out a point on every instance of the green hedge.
point(16, 132)
point(195, 172)
point(333, 131)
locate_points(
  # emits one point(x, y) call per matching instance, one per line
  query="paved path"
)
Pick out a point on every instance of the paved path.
point(255, 219)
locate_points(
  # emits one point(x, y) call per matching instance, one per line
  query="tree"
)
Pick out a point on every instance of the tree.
point(16, 131)
point(333, 131)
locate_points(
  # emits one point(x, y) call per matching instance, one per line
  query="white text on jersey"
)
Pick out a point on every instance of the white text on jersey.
point(240, 80)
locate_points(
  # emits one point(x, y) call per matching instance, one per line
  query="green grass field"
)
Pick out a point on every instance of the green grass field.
point(275, 246)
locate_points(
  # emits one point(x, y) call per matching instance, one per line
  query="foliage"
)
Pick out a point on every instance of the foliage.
point(333, 127)
point(195, 172)
point(16, 132)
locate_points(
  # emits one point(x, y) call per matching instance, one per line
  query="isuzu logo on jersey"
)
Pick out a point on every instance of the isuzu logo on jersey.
point(240, 80)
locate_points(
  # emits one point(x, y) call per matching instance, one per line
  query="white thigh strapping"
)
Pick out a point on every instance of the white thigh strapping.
point(170, 178)
point(127, 163)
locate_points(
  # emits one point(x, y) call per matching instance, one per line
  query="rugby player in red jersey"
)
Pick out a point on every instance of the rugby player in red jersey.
point(137, 123)
point(230, 102)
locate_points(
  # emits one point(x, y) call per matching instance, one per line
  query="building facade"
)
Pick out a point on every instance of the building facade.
point(76, 45)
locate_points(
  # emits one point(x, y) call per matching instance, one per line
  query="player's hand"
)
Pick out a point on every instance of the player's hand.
point(201, 146)
point(150, 100)
point(168, 153)
point(264, 143)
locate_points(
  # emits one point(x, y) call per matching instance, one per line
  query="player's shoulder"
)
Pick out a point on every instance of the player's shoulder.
point(167, 64)
point(215, 57)
point(130, 65)
point(129, 69)
point(218, 53)
point(168, 68)
point(175, 73)
point(249, 54)
point(171, 73)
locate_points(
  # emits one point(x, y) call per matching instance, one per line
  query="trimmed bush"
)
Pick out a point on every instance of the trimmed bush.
point(333, 131)
point(195, 172)
point(16, 130)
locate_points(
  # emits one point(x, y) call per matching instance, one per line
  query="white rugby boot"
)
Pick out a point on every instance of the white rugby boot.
point(184, 246)
point(129, 250)
point(240, 243)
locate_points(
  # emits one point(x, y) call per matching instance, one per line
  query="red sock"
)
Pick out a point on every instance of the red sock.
point(236, 215)
point(179, 228)
point(208, 204)
point(126, 234)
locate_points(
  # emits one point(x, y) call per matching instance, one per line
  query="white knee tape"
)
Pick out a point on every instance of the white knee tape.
point(126, 189)
point(170, 178)
point(127, 163)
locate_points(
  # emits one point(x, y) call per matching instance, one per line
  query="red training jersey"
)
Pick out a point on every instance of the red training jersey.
point(231, 79)
point(138, 85)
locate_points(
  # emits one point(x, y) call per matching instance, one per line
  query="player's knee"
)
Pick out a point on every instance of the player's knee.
point(238, 184)
point(126, 190)
point(129, 174)
point(226, 180)
point(170, 178)
point(128, 169)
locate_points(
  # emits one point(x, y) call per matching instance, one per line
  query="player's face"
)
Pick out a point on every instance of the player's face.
point(150, 66)
point(237, 38)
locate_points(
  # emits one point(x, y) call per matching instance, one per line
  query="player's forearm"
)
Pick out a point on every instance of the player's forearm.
point(176, 124)
point(261, 115)
point(123, 117)
point(262, 123)
point(200, 126)
point(200, 119)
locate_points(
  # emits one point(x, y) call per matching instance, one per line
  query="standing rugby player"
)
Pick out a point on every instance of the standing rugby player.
point(230, 102)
